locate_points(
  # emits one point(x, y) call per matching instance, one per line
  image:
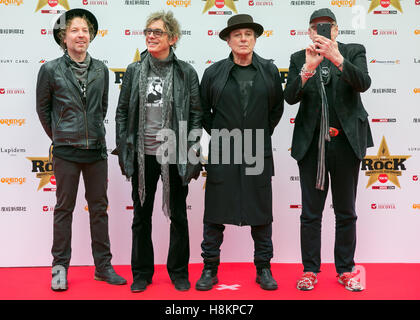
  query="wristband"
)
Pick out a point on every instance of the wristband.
point(305, 73)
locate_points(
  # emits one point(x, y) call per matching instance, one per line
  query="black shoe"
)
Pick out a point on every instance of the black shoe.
point(206, 281)
point(140, 285)
point(59, 278)
point(266, 280)
point(182, 284)
point(110, 276)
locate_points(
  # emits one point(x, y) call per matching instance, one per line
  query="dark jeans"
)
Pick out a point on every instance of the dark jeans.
point(142, 257)
point(343, 167)
point(213, 239)
point(95, 176)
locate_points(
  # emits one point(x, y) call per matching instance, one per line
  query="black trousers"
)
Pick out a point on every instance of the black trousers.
point(95, 176)
point(213, 239)
point(343, 168)
point(142, 257)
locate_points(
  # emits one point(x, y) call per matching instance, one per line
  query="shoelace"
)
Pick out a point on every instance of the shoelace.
point(348, 280)
point(307, 279)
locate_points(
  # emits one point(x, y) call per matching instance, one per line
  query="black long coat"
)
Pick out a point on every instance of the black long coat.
point(232, 196)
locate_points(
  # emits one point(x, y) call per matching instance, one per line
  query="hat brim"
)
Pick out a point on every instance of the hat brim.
point(258, 29)
point(62, 20)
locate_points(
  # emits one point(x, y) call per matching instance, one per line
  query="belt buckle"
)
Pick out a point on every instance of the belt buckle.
point(333, 132)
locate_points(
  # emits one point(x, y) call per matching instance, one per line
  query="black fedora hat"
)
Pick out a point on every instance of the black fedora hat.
point(321, 13)
point(62, 20)
point(241, 21)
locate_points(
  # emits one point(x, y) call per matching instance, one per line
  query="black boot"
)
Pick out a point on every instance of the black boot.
point(209, 275)
point(266, 280)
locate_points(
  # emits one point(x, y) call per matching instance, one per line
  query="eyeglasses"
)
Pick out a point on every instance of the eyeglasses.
point(157, 32)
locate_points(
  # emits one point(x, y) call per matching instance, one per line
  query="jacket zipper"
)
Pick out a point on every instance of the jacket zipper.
point(86, 129)
point(84, 102)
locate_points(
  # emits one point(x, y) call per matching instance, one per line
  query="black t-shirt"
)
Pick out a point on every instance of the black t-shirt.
point(244, 76)
point(71, 153)
point(326, 69)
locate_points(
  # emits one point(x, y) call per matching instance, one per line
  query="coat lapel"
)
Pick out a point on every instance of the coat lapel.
point(72, 84)
point(178, 91)
point(336, 74)
point(94, 72)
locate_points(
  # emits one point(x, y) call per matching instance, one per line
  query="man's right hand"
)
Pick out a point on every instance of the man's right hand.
point(313, 59)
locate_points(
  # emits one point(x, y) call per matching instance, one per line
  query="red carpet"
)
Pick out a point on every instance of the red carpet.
point(236, 282)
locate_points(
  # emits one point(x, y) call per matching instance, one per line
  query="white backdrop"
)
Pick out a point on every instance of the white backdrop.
point(388, 209)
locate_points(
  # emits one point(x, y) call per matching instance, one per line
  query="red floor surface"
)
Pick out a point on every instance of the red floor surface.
point(236, 282)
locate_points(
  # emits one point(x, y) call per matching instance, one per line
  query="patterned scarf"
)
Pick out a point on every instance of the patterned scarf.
point(80, 70)
point(324, 135)
point(164, 69)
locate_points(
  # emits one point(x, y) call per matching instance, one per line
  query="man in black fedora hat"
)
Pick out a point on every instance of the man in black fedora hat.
point(71, 102)
point(241, 94)
point(331, 135)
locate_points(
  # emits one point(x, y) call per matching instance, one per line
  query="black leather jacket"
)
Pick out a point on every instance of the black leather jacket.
point(187, 108)
point(63, 115)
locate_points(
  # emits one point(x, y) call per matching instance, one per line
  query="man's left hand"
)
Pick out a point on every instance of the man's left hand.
point(329, 49)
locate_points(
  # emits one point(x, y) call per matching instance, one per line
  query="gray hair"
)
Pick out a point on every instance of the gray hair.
point(171, 24)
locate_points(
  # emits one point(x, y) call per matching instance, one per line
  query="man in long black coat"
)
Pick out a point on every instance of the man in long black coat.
point(242, 101)
point(331, 135)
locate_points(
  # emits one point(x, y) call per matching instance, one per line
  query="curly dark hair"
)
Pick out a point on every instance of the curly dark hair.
point(62, 32)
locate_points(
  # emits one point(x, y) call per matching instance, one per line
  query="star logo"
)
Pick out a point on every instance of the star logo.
point(52, 3)
point(385, 3)
point(119, 72)
point(384, 165)
point(220, 4)
point(43, 168)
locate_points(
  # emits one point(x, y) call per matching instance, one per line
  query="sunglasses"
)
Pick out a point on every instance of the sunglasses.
point(157, 32)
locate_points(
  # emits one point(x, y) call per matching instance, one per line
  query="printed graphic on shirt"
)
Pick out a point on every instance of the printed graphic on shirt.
point(154, 92)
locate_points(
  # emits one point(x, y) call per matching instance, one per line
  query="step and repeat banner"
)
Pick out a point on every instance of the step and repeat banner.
point(388, 203)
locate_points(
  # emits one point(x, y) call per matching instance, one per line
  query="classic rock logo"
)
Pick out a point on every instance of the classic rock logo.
point(385, 6)
point(52, 4)
point(119, 72)
point(384, 167)
point(219, 4)
point(43, 168)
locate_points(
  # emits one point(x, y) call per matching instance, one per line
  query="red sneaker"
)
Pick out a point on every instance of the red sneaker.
point(307, 281)
point(350, 283)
